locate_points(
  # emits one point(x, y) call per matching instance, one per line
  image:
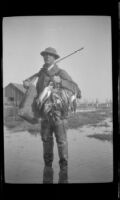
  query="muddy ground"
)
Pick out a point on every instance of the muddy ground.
point(93, 118)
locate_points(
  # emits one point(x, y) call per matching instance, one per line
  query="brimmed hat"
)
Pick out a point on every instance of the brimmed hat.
point(51, 51)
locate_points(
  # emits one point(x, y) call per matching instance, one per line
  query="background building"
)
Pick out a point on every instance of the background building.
point(13, 94)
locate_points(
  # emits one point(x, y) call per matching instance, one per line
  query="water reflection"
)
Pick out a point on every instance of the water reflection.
point(103, 137)
point(48, 174)
point(63, 176)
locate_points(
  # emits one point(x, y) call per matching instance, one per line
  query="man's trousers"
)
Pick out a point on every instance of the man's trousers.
point(59, 129)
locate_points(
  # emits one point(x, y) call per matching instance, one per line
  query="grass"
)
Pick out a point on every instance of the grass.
point(103, 137)
point(75, 121)
point(22, 126)
point(104, 125)
point(88, 118)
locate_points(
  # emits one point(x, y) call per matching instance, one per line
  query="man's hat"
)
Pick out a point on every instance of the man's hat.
point(51, 51)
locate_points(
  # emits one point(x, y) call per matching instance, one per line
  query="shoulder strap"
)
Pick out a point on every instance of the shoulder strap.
point(59, 70)
point(55, 71)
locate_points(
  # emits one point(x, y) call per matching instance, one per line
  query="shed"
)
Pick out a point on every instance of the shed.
point(13, 93)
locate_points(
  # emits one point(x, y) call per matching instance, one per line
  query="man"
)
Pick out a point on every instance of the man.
point(50, 72)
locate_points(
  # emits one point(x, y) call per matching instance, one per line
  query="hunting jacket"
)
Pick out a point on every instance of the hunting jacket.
point(45, 76)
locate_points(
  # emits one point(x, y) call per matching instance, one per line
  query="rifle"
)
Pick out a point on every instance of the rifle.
point(33, 77)
point(69, 55)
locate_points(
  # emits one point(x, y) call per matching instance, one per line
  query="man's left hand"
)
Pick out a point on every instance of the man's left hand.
point(56, 79)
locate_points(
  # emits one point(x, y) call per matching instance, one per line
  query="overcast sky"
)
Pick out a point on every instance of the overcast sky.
point(25, 37)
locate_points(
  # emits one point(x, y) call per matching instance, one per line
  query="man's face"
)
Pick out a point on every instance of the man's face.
point(49, 59)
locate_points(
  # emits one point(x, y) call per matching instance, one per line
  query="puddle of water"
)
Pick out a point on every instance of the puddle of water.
point(90, 160)
point(22, 158)
point(99, 128)
point(93, 157)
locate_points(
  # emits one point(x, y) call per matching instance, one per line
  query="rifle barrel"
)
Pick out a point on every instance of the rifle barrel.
point(69, 55)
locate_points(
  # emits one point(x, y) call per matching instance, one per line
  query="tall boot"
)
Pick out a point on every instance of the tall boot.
point(62, 143)
point(63, 155)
